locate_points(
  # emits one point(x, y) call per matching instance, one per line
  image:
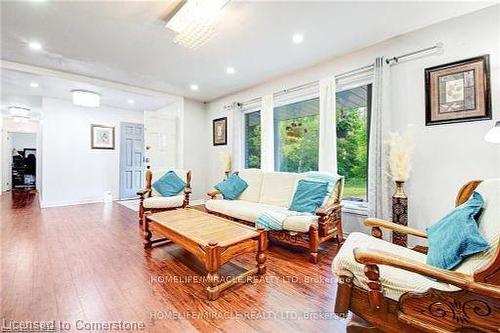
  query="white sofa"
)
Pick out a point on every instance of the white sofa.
point(153, 201)
point(274, 191)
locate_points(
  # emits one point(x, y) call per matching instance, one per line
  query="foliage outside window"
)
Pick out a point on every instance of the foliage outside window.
point(353, 109)
point(296, 137)
point(252, 139)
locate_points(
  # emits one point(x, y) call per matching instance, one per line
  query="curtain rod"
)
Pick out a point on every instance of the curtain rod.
point(395, 60)
point(389, 61)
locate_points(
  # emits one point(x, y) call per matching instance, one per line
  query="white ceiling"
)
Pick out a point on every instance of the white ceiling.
point(16, 91)
point(127, 42)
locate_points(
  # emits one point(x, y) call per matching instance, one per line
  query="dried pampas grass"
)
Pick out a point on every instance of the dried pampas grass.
point(400, 149)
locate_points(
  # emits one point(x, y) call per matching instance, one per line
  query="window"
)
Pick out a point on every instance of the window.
point(252, 139)
point(353, 114)
point(296, 136)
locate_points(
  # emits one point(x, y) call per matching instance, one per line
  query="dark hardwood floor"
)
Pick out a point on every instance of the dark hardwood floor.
point(86, 263)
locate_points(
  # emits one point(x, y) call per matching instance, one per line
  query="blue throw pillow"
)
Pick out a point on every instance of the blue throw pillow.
point(232, 187)
point(169, 184)
point(309, 196)
point(456, 236)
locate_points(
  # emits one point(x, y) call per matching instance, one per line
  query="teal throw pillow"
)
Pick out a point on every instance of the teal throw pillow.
point(232, 187)
point(456, 236)
point(309, 196)
point(169, 184)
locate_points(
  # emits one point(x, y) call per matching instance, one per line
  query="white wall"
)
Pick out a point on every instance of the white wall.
point(72, 172)
point(195, 131)
point(446, 156)
point(20, 141)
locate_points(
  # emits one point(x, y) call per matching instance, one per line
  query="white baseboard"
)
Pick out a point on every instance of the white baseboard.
point(69, 203)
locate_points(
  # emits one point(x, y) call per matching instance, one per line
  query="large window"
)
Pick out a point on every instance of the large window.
point(296, 136)
point(252, 139)
point(353, 112)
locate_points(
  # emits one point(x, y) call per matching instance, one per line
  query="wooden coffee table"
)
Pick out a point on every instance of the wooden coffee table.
point(212, 239)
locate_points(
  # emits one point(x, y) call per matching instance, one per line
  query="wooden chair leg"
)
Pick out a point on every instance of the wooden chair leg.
point(359, 326)
point(313, 243)
point(343, 297)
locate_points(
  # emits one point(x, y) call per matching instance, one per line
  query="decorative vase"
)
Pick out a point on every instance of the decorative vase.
point(400, 213)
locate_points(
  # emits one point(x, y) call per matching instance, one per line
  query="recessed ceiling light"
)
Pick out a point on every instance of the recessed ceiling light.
point(34, 85)
point(194, 87)
point(130, 101)
point(36, 46)
point(230, 70)
point(86, 98)
point(298, 38)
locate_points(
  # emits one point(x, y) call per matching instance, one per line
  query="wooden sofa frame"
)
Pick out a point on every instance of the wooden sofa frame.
point(146, 193)
point(474, 308)
point(329, 226)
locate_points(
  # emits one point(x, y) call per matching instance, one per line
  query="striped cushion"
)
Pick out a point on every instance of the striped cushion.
point(395, 282)
point(489, 226)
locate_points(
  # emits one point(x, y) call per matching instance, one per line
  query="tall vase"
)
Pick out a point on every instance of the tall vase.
point(400, 213)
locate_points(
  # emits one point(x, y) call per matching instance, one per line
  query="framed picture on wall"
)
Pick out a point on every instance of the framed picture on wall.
point(102, 137)
point(219, 128)
point(458, 92)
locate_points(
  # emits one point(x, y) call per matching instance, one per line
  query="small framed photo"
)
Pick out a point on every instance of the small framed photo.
point(220, 131)
point(458, 92)
point(102, 137)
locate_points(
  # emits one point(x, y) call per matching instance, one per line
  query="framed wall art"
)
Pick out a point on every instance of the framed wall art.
point(458, 92)
point(102, 137)
point(220, 131)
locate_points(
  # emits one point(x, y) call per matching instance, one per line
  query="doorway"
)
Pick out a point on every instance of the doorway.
point(131, 159)
point(20, 161)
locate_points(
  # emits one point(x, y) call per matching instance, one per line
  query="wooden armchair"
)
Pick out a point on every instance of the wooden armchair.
point(152, 201)
point(393, 290)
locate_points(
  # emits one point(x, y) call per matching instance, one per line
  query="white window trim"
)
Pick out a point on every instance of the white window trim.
point(242, 132)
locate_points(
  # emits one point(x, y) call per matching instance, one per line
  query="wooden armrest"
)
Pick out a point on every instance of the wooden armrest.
point(324, 211)
point(144, 192)
point(463, 281)
point(372, 222)
point(213, 194)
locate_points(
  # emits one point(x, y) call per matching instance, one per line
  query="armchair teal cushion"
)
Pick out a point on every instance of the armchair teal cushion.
point(232, 187)
point(456, 236)
point(169, 184)
point(309, 196)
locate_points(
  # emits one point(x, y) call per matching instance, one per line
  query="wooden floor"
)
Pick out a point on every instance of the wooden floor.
point(86, 263)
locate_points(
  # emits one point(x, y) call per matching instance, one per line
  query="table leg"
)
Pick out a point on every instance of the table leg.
point(212, 266)
point(261, 255)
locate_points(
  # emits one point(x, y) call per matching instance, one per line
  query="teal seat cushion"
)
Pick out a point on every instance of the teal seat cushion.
point(309, 196)
point(169, 184)
point(456, 236)
point(232, 187)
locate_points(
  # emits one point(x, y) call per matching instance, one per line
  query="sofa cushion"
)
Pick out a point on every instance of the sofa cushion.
point(253, 177)
point(395, 282)
point(169, 184)
point(244, 210)
point(488, 224)
point(308, 196)
point(158, 173)
point(232, 187)
point(456, 236)
point(278, 188)
point(164, 202)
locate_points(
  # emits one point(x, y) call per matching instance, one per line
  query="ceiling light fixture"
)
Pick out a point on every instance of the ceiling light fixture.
point(86, 98)
point(230, 70)
point(193, 21)
point(130, 101)
point(298, 38)
point(194, 87)
point(35, 46)
point(34, 85)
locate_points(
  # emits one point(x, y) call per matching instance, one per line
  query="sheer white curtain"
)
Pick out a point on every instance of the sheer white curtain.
point(378, 179)
point(327, 126)
point(267, 134)
point(236, 116)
